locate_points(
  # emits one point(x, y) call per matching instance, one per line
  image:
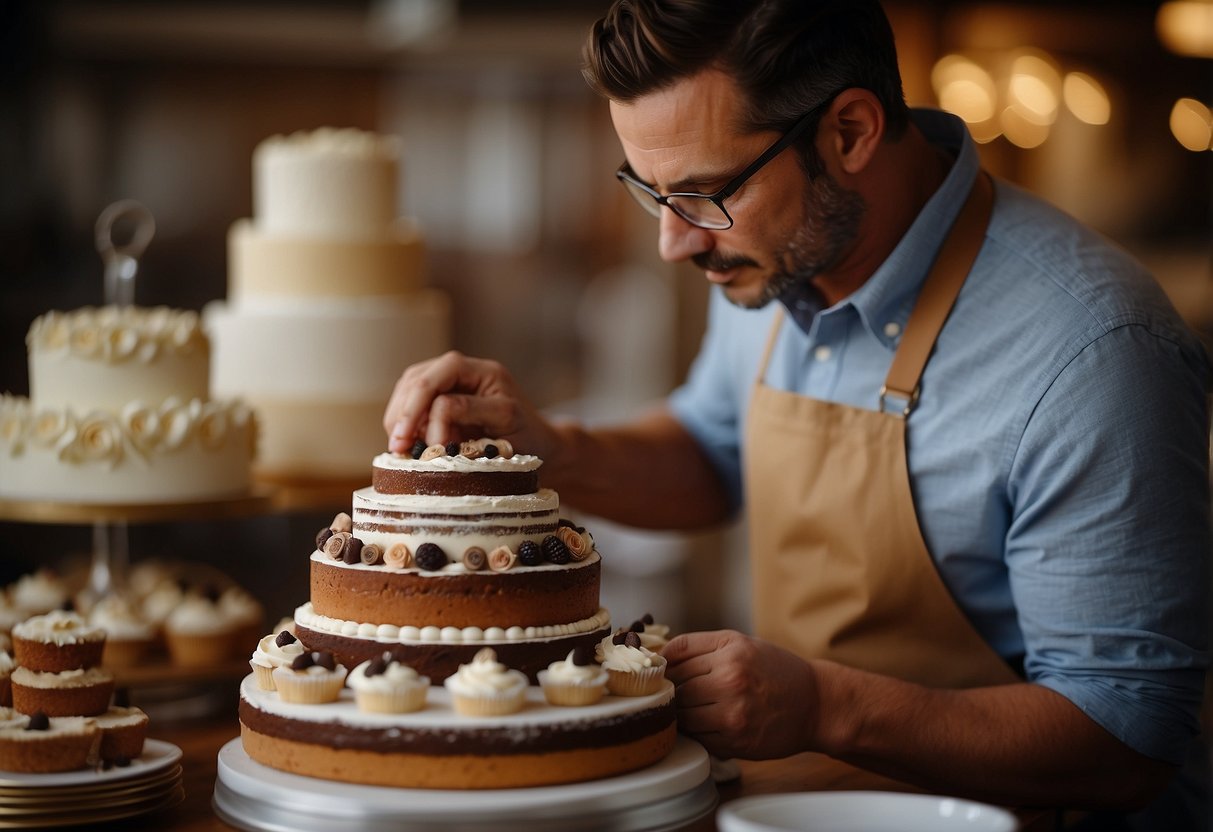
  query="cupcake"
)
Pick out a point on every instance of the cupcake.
point(40, 744)
point(123, 732)
point(128, 636)
point(70, 693)
point(10, 617)
point(39, 593)
point(7, 665)
point(197, 634)
point(311, 679)
point(632, 669)
point(244, 613)
point(57, 641)
point(385, 686)
point(158, 604)
point(576, 680)
point(653, 636)
point(486, 687)
point(273, 651)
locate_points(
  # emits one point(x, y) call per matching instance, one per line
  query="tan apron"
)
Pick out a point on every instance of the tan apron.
point(840, 569)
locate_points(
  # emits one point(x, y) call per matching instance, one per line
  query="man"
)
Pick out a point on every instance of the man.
point(970, 434)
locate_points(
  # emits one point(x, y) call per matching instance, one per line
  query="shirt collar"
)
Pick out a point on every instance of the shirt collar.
point(885, 299)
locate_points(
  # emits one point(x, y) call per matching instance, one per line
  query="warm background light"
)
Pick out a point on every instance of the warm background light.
point(1032, 90)
point(1192, 124)
point(1187, 27)
point(1022, 131)
point(1085, 98)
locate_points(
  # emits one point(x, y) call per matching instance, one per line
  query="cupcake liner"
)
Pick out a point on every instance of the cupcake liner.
point(264, 675)
point(641, 682)
point(507, 702)
point(400, 701)
point(190, 650)
point(571, 694)
point(309, 688)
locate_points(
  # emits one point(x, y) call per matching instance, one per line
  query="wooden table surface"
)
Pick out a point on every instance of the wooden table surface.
point(201, 740)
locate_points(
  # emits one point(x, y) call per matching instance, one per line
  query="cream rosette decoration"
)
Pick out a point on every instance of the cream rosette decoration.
point(177, 420)
point(84, 338)
point(14, 419)
point(397, 556)
point(502, 559)
point(212, 426)
point(184, 332)
point(580, 543)
point(51, 331)
point(385, 686)
point(98, 439)
point(119, 342)
point(486, 687)
point(51, 425)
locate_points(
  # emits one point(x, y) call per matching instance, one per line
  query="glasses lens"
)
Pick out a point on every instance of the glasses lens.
point(702, 212)
point(643, 197)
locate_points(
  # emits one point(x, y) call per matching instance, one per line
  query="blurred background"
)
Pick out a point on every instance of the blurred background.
point(1101, 107)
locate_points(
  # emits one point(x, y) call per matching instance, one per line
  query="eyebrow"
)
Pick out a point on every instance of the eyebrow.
point(687, 184)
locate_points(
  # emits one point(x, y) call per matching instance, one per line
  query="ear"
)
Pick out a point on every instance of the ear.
point(857, 118)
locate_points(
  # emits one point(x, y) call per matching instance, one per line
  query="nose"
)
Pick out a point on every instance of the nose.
point(678, 240)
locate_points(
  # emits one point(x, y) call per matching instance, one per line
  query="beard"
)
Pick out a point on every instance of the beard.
point(832, 218)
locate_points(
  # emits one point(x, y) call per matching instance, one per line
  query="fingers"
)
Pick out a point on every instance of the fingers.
point(411, 411)
point(690, 646)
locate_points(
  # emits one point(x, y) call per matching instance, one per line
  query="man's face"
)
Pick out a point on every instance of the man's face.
point(786, 228)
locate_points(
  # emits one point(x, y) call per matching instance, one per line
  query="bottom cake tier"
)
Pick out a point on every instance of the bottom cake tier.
point(437, 748)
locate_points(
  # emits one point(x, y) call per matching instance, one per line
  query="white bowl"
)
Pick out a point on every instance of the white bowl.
point(861, 812)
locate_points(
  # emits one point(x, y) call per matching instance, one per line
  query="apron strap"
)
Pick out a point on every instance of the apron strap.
point(947, 275)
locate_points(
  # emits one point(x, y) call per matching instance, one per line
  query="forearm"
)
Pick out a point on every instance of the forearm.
point(648, 473)
point(1016, 744)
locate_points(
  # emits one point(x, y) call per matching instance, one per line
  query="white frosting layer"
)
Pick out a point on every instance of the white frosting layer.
point(119, 620)
point(305, 616)
point(568, 672)
point(630, 659)
point(438, 714)
point(197, 616)
point(14, 724)
point(326, 183)
point(118, 717)
point(457, 464)
point(58, 627)
point(6, 663)
point(499, 521)
point(66, 679)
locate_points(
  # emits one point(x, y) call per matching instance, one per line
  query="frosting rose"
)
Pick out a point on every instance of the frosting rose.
point(118, 342)
point(142, 425)
point(98, 439)
point(397, 556)
point(49, 426)
point(84, 340)
point(176, 423)
point(579, 544)
point(212, 426)
point(502, 559)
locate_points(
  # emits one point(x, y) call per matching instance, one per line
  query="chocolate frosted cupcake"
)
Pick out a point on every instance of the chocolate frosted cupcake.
point(311, 679)
point(57, 641)
point(385, 686)
point(486, 687)
point(576, 680)
point(39, 744)
point(274, 651)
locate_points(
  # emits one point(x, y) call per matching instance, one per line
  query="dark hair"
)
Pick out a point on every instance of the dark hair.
point(785, 55)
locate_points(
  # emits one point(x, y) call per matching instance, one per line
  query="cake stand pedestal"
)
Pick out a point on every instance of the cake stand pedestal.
point(669, 795)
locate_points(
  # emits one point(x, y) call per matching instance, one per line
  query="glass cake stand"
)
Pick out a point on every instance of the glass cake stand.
point(668, 795)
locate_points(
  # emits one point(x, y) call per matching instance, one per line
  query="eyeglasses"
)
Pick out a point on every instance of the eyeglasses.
point(707, 210)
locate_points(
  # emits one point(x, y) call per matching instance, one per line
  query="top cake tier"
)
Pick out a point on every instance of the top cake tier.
point(456, 474)
point(327, 183)
point(84, 358)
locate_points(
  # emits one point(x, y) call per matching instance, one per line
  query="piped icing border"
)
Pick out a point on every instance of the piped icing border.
point(307, 617)
point(458, 463)
point(116, 334)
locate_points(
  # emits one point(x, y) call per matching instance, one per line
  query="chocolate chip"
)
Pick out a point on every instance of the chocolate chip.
point(38, 721)
point(647, 618)
point(377, 666)
point(284, 638)
point(637, 627)
point(452, 449)
point(303, 661)
point(325, 659)
point(491, 451)
point(618, 638)
point(583, 655)
point(322, 537)
point(631, 639)
point(417, 450)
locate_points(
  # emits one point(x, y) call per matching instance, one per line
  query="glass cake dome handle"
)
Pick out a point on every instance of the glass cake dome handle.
point(123, 232)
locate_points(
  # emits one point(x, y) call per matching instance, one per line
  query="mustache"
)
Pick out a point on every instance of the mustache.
point(714, 261)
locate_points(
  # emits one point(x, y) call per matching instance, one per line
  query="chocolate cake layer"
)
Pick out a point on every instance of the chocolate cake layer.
point(572, 735)
point(521, 597)
point(454, 483)
point(439, 661)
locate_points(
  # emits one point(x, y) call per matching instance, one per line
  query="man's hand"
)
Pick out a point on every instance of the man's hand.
point(454, 397)
point(740, 696)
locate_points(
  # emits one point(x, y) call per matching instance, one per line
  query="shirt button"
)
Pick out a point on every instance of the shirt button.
point(822, 353)
point(892, 329)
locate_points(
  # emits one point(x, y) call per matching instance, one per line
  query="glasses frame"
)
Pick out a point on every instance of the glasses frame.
point(627, 176)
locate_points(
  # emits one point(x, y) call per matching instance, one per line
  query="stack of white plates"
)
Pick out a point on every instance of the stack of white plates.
point(30, 801)
point(862, 812)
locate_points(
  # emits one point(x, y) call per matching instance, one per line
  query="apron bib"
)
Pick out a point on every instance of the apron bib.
point(840, 569)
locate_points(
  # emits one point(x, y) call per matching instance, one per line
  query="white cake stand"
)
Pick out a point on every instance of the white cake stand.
point(666, 796)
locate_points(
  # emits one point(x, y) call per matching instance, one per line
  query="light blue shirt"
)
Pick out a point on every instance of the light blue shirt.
point(1058, 453)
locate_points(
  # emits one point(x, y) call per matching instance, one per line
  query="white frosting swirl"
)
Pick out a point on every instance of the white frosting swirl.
point(394, 677)
point(631, 659)
point(38, 593)
point(6, 663)
point(458, 463)
point(270, 654)
point(58, 627)
point(566, 671)
point(197, 616)
point(119, 619)
point(485, 676)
